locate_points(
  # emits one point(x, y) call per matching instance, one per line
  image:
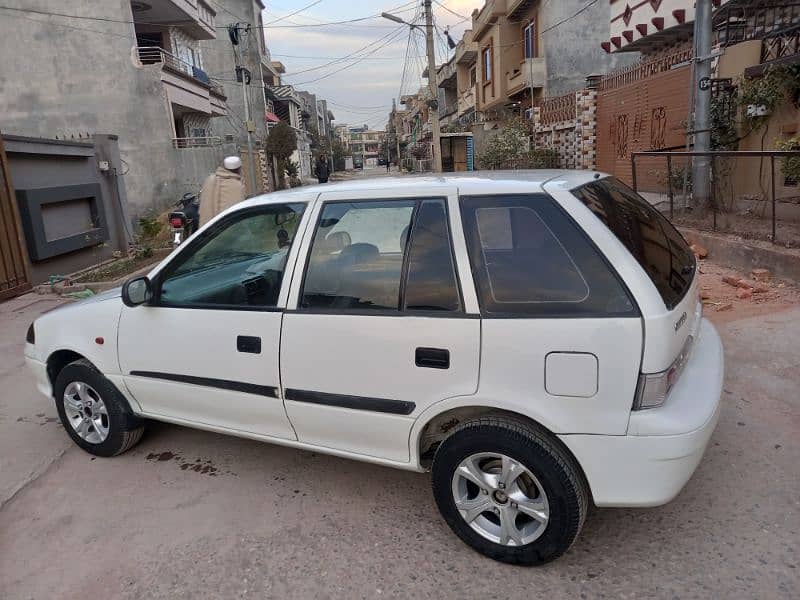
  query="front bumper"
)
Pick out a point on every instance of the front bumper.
point(39, 371)
point(650, 465)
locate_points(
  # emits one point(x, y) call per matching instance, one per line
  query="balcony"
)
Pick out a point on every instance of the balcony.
point(196, 142)
point(446, 75)
point(196, 17)
point(466, 101)
point(517, 8)
point(482, 20)
point(466, 50)
point(185, 84)
point(445, 110)
point(530, 69)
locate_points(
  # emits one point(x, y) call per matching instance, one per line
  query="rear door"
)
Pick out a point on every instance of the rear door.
point(378, 327)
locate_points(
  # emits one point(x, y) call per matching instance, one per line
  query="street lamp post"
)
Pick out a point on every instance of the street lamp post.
point(432, 86)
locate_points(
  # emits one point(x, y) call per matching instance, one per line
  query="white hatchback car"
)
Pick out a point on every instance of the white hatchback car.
point(534, 339)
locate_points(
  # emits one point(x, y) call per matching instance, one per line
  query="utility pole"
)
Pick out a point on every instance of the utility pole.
point(243, 74)
point(701, 175)
point(396, 133)
point(433, 87)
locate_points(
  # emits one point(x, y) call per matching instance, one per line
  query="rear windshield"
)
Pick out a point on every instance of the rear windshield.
point(646, 233)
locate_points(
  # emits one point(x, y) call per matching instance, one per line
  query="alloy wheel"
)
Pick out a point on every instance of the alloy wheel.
point(86, 412)
point(500, 499)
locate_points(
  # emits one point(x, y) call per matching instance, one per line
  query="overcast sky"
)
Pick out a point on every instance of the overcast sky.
point(359, 88)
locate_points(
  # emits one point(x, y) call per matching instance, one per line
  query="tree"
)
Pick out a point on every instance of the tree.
point(507, 147)
point(338, 152)
point(281, 143)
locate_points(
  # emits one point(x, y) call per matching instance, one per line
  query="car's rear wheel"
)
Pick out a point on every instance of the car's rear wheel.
point(510, 491)
point(93, 412)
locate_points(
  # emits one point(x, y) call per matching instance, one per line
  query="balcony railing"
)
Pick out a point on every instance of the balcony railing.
point(196, 142)
point(447, 109)
point(781, 45)
point(151, 55)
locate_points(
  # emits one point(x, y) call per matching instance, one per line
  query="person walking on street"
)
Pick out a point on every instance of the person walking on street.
point(388, 165)
point(222, 189)
point(322, 169)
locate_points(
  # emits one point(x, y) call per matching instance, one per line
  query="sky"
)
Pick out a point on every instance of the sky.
point(380, 63)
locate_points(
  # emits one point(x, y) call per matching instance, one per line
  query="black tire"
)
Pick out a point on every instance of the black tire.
point(554, 468)
point(124, 429)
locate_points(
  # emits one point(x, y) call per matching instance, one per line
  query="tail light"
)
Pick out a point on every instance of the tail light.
point(176, 222)
point(653, 388)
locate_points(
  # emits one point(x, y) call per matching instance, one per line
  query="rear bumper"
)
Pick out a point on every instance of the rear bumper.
point(650, 465)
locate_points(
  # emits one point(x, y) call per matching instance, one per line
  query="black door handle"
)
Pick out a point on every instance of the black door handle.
point(432, 358)
point(249, 344)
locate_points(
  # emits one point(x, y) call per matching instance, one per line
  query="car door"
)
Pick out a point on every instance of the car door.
point(378, 328)
point(205, 350)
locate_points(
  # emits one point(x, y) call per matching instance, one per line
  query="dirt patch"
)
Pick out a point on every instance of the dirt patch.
point(121, 267)
point(748, 226)
point(724, 302)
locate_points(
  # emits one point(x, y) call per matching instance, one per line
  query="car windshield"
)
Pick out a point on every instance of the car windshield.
point(647, 234)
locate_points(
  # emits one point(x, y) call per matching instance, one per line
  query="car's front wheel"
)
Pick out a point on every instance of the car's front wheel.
point(93, 412)
point(509, 491)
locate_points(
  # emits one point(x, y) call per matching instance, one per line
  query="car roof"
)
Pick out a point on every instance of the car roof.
point(467, 182)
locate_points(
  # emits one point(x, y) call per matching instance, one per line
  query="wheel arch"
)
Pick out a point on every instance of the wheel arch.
point(59, 359)
point(431, 430)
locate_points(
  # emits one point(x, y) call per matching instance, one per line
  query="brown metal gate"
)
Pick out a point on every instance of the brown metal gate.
point(14, 277)
point(639, 108)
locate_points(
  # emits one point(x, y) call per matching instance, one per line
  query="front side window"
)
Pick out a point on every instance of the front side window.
point(388, 255)
point(237, 263)
point(646, 233)
point(487, 64)
point(529, 258)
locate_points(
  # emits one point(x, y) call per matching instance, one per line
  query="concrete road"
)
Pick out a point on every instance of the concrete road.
point(189, 514)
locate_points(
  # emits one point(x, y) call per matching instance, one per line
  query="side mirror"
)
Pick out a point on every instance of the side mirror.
point(137, 291)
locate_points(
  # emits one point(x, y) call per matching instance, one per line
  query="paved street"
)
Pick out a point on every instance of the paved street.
point(189, 514)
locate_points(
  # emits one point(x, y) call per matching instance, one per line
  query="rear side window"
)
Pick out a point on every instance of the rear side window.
point(431, 283)
point(530, 259)
point(646, 233)
point(386, 255)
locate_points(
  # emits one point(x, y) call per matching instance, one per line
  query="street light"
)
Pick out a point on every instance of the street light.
point(432, 86)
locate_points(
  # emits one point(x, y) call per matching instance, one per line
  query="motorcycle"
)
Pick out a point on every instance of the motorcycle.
point(184, 222)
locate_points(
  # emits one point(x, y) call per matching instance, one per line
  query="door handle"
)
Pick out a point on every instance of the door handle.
point(432, 358)
point(248, 343)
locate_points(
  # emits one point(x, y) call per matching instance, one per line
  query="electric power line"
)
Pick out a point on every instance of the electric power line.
point(294, 13)
point(562, 21)
point(391, 38)
point(452, 12)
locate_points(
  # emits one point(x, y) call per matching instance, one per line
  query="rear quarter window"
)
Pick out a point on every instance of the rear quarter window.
point(647, 234)
point(529, 258)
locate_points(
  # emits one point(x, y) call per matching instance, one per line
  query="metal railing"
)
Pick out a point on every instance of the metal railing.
point(196, 142)
point(448, 109)
point(718, 175)
point(151, 55)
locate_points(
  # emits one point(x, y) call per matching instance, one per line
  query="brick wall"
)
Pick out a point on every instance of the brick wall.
point(568, 125)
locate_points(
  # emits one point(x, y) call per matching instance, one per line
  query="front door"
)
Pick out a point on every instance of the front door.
point(206, 350)
point(379, 330)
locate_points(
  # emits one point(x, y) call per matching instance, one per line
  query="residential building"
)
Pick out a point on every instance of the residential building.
point(139, 73)
point(294, 109)
point(529, 49)
point(645, 106)
point(366, 143)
